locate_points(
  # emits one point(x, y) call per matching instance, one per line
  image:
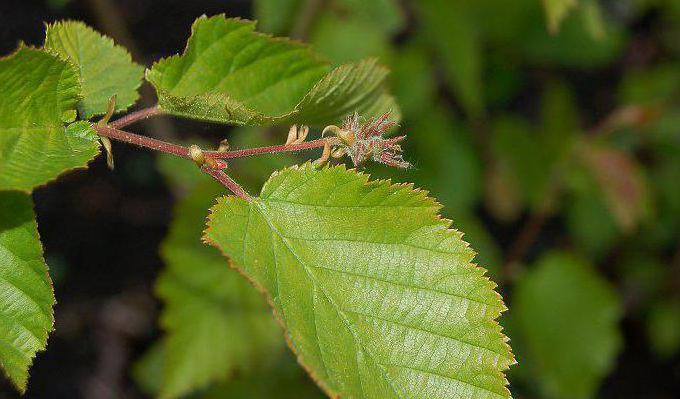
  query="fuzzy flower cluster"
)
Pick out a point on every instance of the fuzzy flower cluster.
point(367, 141)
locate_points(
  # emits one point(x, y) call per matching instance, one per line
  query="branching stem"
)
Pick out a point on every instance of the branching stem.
point(274, 149)
point(113, 132)
point(135, 116)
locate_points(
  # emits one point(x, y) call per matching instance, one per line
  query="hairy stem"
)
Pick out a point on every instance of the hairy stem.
point(142, 141)
point(135, 117)
point(274, 149)
point(227, 181)
point(113, 133)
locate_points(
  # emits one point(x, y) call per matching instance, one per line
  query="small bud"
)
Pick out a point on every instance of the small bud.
point(197, 155)
point(224, 146)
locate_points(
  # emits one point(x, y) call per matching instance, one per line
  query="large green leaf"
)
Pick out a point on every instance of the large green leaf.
point(39, 94)
point(378, 296)
point(566, 316)
point(105, 69)
point(216, 323)
point(26, 296)
point(231, 74)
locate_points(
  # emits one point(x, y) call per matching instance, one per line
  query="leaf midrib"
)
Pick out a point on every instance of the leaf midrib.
point(347, 320)
point(262, 209)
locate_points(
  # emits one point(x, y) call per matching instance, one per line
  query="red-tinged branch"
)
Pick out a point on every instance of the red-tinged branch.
point(205, 157)
point(142, 141)
point(135, 117)
point(227, 181)
point(274, 149)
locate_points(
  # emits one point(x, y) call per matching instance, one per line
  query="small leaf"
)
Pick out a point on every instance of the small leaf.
point(621, 181)
point(378, 296)
point(215, 322)
point(231, 74)
point(105, 69)
point(556, 11)
point(663, 328)
point(38, 90)
point(26, 296)
point(566, 316)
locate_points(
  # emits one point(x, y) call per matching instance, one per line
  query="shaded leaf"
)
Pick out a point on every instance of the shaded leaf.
point(40, 95)
point(215, 322)
point(663, 328)
point(105, 69)
point(566, 317)
point(390, 312)
point(230, 74)
point(455, 38)
point(26, 295)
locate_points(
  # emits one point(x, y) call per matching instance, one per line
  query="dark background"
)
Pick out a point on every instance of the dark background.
point(101, 230)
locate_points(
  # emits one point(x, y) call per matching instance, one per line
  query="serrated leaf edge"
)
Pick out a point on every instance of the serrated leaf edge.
point(151, 76)
point(109, 40)
point(22, 388)
point(79, 96)
point(436, 207)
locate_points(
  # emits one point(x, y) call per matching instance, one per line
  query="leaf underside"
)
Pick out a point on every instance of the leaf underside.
point(229, 73)
point(377, 294)
point(105, 69)
point(215, 322)
point(26, 296)
point(40, 93)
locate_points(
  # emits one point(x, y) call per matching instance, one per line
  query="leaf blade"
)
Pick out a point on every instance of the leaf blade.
point(27, 298)
point(42, 92)
point(215, 323)
point(105, 69)
point(229, 73)
point(345, 275)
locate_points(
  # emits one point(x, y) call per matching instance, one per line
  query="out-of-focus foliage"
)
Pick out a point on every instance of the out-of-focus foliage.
point(556, 119)
point(565, 318)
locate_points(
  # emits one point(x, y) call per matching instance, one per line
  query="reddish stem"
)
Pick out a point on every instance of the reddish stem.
point(135, 117)
point(307, 145)
point(227, 181)
point(142, 141)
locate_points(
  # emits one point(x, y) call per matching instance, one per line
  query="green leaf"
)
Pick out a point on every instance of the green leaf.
point(105, 69)
point(40, 93)
point(231, 74)
point(378, 296)
point(556, 11)
point(663, 328)
point(566, 317)
point(26, 297)
point(215, 322)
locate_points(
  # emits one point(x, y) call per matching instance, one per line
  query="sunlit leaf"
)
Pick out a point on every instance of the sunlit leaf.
point(231, 74)
point(40, 95)
point(105, 69)
point(26, 296)
point(390, 312)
